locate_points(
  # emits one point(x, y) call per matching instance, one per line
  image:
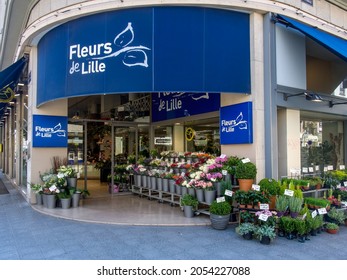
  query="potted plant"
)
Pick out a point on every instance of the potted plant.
point(281, 205)
point(335, 216)
point(245, 173)
point(265, 233)
point(76, 196)
point(271, 188)
point(37, 189)
point(190, 204)
point(242, 198)
point(246, 230)
point(332, 228)
point(65, 199)
point(220, 214)
point(295, 205)
point(70, 174)
point(288, 226)
point(300, 227)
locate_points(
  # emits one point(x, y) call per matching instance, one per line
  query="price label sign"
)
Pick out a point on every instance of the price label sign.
point(304, 217)
point(263, 217)
point(189, 161)
point(304, 170)
point(322, 211)
point(171, 170)
point(245, 160)
point(223, 156)
point(78, 175)
point(220, 199)
point(317, 167)
point(256, 187)
point(264, 206)
point(342, 167)
point(310, 169)
point(338, 186)
point(228, 193)
point(345, 183)
point(330, 167)
point(288, 192)
point(325, 169)
point(224, 172)
point(314, 214)
point(183, 174)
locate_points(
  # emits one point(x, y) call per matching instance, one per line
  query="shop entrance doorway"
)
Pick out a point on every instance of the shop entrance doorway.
point(101, 149)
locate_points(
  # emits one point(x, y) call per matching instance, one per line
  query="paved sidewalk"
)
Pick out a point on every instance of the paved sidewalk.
point(26, 234)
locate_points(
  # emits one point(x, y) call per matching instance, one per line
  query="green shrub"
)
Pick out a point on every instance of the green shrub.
point(220, 208)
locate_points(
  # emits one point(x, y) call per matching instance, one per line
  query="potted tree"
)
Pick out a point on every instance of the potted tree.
point(300, 227)
point(190, 204)
point(271, 188)
point(245, 173)
point(220, 214)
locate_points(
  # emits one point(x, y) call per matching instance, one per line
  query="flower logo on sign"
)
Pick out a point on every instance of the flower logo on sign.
point(132, 55)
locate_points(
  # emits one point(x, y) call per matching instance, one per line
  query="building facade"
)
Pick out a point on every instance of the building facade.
point(241, 76)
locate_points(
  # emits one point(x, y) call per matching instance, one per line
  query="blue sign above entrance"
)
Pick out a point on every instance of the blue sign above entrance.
point(158, 49)
point(49, 131)
point(236, 124)
point(171, 105)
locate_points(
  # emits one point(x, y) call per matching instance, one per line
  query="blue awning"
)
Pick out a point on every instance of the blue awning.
point(10, 75)
point(336, 45)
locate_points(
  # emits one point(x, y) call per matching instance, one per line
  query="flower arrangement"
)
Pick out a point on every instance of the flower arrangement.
point(67, 171)
point(214, 177)
point(271, 217)
point(200, 184)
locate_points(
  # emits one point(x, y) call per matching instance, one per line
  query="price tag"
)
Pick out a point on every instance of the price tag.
point(189, 161)
point(345, 183)
point(314, 214)
point(223, 156)
point(317, 167)
point(304, 170)
point(338, 186)
point(255, 187)
point(245, 160)
point(342, 167)
point(325, 169)
point(171, 170)
point(304, 217)
point(288, 192)
point(322, 211)
point(310, 169)
point(78, 175)
point(228, 193)
point(224, 172)
point(330, 167)
point(183, 174)
point(263, 217)
point(264, 206)
point(220, 199)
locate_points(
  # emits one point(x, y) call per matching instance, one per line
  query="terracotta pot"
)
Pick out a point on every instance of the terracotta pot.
point(245, 184)
point(332, 231)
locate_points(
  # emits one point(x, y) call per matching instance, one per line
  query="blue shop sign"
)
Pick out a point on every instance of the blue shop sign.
point(154, 49)
point(236, 124)
point(172, 105)
point(49, 131)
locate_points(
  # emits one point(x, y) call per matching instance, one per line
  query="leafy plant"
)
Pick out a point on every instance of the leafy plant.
point(246, 170)
point(266, 230)
point(295, 204)
point(288, 224)
point(220, 208)
point(332, 226)
point(300, 226)
point(269, 186)
point(338, 217)
point(189, 200)
point(246, 217)
point(245, 228)
point(282, 203)
point(241, 197)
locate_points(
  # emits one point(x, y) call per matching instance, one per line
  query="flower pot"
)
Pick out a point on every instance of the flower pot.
point(188, 211)
point(165, 184)
point(39, 200)
point(137, 179)
point(210, 196)
point(248, 236)
point(219, 221)
point(332, 231)
point(265, 240)
point(192, 192)
point(184, 190)
point(51, 201)
point(172, 188)
point(76, 199)
point(153, 183)
point(294, 214)
point(301, 238)
point(178, 189)
point(245, 184)
point(218, 186)
point(65, 203)
point(144, 181)
point(200, 195)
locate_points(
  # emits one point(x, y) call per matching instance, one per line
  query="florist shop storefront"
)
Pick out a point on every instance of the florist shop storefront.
point(139, 53)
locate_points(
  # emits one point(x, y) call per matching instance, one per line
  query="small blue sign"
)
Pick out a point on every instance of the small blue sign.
point(172, 105)
point(49, 131)
point(236, 125)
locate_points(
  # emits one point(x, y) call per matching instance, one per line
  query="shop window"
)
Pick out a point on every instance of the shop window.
point(203, 138)
point(321, 144)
